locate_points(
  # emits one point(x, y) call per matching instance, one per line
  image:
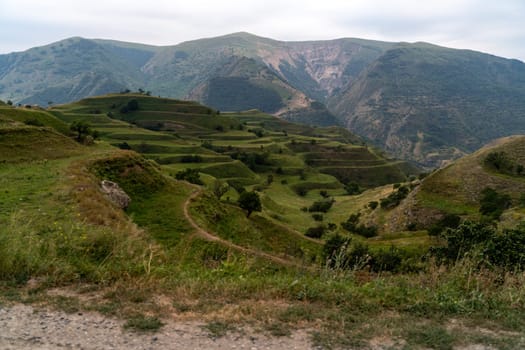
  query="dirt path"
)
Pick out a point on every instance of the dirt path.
point(214, 238)
point(25, 327)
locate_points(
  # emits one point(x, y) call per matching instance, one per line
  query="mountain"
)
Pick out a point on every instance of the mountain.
point(418, 101)
point(432, 104)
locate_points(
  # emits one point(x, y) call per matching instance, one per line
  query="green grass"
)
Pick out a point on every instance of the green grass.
point(57, 227)
point(143, 324)
point(45, 118)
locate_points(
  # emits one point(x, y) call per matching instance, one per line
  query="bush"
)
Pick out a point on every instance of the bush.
point(334, 246)
point(387, 260)
point(448, 221)
point(191, 159)
point(321, 206)
point(373, 204)
point(394, 198)
point(315, 232)
point(33, 122)
point(500, 162)
point(317, 217)
point(352, 225)
point(482, 242)
point(352, 188)
point(492, 203)
point(507, 249)
point(190, 175)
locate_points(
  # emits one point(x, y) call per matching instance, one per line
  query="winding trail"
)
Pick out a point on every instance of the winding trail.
point(202, 233)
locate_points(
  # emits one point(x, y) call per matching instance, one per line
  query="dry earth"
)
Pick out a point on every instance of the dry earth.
point(26, 327)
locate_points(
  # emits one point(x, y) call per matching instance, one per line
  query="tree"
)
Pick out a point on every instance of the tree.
point(9, 102)
point(352, 188)
point(220, 188)
point(190, 175)
point(492, 203)
point(250, 202)
point(81, 128)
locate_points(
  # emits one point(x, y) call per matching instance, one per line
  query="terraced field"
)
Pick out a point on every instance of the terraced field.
point(288, 163)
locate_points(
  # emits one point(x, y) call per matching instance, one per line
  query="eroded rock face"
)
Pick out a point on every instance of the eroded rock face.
point(115, 193)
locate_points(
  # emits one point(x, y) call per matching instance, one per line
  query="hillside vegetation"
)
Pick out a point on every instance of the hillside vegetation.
point(419, 102)
point(307, 257)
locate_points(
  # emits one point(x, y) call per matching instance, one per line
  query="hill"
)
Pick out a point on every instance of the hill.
point(181, 251)
point(458, 188)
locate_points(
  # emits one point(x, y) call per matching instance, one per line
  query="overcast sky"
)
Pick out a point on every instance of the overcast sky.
point(496, 27)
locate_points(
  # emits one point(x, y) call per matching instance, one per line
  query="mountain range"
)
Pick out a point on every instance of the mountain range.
point(420, 102)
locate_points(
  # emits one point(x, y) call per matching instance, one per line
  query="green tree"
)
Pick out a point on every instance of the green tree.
point(352, 188)
point(190, 175)
point(81, 128)
point(250, 202)
point(220, 188)
point(492, 203)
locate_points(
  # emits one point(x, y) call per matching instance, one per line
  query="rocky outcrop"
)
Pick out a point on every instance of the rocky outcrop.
point(115, 193)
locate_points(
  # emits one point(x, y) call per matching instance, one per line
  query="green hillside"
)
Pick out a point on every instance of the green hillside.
point(180, 250)
point(458, 188)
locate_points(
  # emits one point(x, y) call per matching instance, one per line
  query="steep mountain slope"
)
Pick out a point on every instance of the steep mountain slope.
point(420, 102)
point(302, 74)
point(65, 71)
point(433, 104)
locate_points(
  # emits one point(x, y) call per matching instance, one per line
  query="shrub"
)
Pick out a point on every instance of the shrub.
point(335, 246)
point(352, 188)
point(351, 223)
point(492, 203)
point(191, 159)
point(317, 217)
point(373, 204)
point(250, 202)
point(220, 188)
point(190, 175)
point(500, 162)
point(387, 260)
point(480, 241)
point(448, 221)
point(315, 232)
point(322, 205)
point(394, 198)
point(33, 122)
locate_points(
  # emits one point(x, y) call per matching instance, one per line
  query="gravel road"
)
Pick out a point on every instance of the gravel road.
point(24, 327)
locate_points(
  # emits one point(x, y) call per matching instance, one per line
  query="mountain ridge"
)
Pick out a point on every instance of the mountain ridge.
point(419, 101)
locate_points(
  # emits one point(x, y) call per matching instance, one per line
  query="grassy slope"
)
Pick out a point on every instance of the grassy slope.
point(168, 130)
point(456, 189)
point(57, 229)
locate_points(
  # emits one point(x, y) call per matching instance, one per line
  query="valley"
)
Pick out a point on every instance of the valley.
point(342, 241)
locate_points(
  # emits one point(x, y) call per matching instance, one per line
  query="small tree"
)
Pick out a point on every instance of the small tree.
point(352, 188)
point(81, 128)
point(190, 175)
point(9, 102)
point(250, 202)
point(220, 188)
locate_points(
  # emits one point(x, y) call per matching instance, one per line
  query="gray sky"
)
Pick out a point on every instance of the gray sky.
point(496, 27)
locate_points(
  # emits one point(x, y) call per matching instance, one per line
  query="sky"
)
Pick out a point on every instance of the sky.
point(496, 27)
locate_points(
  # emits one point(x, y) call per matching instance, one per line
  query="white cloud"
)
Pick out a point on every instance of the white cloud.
point(494, 27)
